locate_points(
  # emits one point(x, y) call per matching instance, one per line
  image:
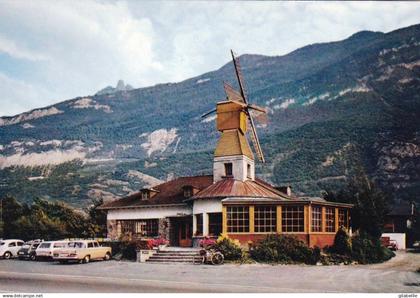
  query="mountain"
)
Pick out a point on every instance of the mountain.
point(111, 90)
point(331, 107)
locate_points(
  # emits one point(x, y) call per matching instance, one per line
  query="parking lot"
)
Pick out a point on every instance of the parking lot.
point(396, 275)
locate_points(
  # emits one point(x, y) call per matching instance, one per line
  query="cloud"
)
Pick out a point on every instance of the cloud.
point(9, 47)
point(74, 48)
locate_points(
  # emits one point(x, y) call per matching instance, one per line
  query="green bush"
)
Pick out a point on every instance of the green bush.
point(342, 243)
point(284, 249)
point(367, 250)
point(230, 249)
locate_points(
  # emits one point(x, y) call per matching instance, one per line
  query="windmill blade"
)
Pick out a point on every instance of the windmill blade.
point(232, 94)
point(208, 113)
point(255, 140)
point(238, 72)
point(257, 108)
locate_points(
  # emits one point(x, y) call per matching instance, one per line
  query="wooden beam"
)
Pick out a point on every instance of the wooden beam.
point(336, 219)
point(323, 221)
point(251, 219)
point(224, 220)
point(278, 219)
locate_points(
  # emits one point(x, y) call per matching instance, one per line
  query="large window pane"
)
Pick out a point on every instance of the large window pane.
point(265, 219)
point(316, 219)
point(293, 219)
point(238, 219)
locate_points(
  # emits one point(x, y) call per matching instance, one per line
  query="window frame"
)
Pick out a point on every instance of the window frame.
point(343, 219)
point(263, 223)
point(228, 169)
point(293, 219)
point(330, 220)
point(238, 219)
point(316, 219)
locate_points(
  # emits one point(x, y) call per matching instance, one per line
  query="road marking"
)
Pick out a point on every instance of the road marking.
point(190, 283)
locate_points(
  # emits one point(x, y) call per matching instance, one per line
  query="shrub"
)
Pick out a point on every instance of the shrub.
point(342, 243)
point(367, 250)
point(284, 249)
point(230, 249)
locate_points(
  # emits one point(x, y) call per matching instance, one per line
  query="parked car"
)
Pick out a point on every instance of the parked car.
point(10, 247)
point(46, 249)
point(28, 250)
point(83, 251)
point(416, 245)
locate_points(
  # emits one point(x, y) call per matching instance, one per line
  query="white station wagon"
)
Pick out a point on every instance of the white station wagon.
point(82, 251)
point(46, 249)
point(10, 247)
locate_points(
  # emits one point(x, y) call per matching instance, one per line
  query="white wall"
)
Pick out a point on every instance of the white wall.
point(239, 165)
point(399, 237)
point(207, 206)
point(144, 213)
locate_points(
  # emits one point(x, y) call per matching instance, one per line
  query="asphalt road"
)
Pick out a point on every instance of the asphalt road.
point(395, 276)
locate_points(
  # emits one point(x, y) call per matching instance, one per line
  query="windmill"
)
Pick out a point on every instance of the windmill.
point(235, 112)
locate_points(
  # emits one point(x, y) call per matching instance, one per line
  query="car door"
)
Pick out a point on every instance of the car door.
point(19, 245)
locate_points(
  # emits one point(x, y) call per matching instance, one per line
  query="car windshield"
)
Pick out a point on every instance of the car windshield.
point(45, 245)
point(76, 244)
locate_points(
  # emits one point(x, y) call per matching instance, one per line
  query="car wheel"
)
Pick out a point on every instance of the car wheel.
point(7, 255)
point(33, 257)
point(107, 256)
point(86, 259)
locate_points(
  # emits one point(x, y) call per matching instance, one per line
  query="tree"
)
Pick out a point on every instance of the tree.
point(11, 210)
point(370, 205)
point(97, 218)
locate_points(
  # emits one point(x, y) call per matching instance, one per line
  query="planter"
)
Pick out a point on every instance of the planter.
point(161, 247)
point(144, 254)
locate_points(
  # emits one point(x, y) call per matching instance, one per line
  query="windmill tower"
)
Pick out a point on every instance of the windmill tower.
point(233, 157)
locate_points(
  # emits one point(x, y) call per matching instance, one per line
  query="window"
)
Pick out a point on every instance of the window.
point(95, 244)
point(45, 245)
point(59, 245)
point(293, 219)
point(20, 243)
point(228, 169)
point(90, 244)
point(248, 170)
point(342, 218)
point(316, 219)
point(265, 219)
point(238, 219)
point(145, 227)
point(12, 244)
point(199, 219)
point(145, 195)
point(148, 227)
point(330, 219)
point(188, 191)
point(215, 223)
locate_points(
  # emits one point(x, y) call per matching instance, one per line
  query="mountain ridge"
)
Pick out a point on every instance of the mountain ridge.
point(366, 83)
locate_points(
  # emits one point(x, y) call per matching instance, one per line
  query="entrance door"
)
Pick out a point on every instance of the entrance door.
point(185, 231)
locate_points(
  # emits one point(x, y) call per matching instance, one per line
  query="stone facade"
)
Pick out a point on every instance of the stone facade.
point(164, 226)
point(113, 229)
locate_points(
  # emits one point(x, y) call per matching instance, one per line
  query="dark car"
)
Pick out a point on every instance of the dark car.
point(27, 252)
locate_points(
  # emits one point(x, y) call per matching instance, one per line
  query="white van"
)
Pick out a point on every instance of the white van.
point(46, 249)
point(10, 247)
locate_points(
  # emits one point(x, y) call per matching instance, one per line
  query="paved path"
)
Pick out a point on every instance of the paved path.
point(397, 275)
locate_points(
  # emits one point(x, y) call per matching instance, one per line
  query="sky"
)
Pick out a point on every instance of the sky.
point(52, 51)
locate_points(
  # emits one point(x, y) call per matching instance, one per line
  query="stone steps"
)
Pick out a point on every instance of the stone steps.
point(175, 256)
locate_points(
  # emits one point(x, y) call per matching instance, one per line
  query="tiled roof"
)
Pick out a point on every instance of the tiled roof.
point(168, 193)
point(237, 188)
point(233, 142)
